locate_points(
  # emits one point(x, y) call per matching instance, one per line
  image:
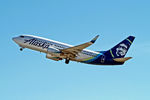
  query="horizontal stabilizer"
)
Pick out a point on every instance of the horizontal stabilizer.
point(122, 59)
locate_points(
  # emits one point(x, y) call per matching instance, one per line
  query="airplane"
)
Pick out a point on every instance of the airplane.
point(58, 51)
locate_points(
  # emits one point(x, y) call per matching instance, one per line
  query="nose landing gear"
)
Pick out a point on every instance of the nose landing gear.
point(21, 49)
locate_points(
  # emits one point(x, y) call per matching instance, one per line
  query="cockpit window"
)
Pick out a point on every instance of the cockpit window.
point(22, 36)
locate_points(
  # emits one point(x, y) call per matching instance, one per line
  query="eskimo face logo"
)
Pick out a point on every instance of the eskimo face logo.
point(121, 50)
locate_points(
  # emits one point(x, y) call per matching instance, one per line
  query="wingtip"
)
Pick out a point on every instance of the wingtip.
point(94, 39)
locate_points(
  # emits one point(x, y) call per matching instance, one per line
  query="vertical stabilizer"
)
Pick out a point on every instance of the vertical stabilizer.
point(120, 50)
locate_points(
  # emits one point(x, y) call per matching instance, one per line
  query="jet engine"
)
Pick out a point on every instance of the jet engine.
point(52, 50)
point(49, 56)
point(53, 53)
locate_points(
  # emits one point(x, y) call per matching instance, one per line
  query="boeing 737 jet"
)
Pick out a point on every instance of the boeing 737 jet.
point(58, 51)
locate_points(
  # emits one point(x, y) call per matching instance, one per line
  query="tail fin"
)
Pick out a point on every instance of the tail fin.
point(120, 50)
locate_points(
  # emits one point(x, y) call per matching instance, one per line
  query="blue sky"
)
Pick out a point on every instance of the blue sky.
point(28, 75)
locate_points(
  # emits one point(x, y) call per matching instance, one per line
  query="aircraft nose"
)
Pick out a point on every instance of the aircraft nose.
point(14, 39)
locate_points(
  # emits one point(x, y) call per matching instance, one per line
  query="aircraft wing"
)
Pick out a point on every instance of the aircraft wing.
point(76, 49)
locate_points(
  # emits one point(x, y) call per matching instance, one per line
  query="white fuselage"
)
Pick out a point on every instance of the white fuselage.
point(42, 45)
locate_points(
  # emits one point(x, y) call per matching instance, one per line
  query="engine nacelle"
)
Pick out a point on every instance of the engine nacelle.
point(52, 50)
point(49, 56)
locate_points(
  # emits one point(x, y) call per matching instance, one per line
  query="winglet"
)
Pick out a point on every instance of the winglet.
point(94, 39)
